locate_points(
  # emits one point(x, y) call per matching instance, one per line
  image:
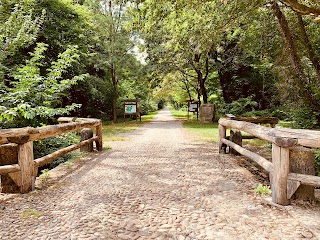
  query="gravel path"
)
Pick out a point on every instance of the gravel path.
point(157, 185)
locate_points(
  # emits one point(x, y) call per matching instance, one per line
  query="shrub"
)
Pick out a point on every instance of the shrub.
point(48, 145)
point(239, 107)
point(303, 117)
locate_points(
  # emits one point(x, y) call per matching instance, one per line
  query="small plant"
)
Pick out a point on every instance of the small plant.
point(31, 213)
point(45, 176)
point(263, 190)
point(107, 147)
point(68, 164)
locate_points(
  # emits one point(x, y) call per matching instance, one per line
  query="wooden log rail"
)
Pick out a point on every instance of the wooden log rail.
point(24, 173)
point(283, 182)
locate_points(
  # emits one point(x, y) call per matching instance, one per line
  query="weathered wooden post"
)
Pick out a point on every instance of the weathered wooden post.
point(222, 134)
point(279, 175)
point(8, 155)
point(235, 137)
point(281, 169)
point(26, 163)
point(99, 144)
point(85, 134)
point(302, 161)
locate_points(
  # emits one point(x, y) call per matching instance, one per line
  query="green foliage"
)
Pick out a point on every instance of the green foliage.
point(18, 30)
point(263, 190)
point(302, 117)
point(49, 145)
point(238, 108)
point(32, 98)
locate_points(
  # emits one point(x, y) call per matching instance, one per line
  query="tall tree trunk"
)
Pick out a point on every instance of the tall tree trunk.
point(115, 92)
point(202, 87)
point(200, 78)
point(295, 60)
point(305, 39)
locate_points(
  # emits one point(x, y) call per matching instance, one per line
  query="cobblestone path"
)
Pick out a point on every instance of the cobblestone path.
point(157, 185)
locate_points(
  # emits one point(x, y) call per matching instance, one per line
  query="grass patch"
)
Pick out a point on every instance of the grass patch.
point(111, 130)
point(207, 132)
point(204, 132)
point(107, 147)
point(180, 114)
point(31, 213)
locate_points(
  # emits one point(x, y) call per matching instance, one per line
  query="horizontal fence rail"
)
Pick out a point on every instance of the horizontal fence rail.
point(24, 171)
point(283, 182)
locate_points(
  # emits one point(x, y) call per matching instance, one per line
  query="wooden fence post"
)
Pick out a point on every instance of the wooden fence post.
point(222, 134)
point(235, 137)
point(279, 175)
point(99, 135)
point(25, 161)
point(86, 134)
point(302, 161)
point(9, 155)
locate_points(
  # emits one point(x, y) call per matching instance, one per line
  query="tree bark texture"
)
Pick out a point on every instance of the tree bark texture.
point(306, 41)
point(303, 81)
point(301, 8)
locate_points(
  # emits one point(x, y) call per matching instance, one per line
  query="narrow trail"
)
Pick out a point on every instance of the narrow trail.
point(157, 185)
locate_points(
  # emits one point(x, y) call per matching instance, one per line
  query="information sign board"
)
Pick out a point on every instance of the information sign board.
point(193, 107)
point(130, 108)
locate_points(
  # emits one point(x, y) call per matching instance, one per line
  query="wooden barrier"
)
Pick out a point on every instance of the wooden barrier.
point(283, 183)
point(23, 173)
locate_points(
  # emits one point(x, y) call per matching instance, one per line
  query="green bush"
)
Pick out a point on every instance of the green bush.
point(238, 108)
point(49, 145)
point(303, 117)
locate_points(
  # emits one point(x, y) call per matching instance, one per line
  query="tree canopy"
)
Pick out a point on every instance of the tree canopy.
point(85, 57)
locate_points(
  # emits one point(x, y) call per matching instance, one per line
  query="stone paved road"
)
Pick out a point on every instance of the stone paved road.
point(157, 185)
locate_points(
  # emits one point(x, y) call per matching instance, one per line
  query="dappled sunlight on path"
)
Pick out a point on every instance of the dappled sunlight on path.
point(157, 185)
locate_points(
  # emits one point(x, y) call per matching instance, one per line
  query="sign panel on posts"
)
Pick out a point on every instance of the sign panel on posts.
point(130, 108)
point(193, 107)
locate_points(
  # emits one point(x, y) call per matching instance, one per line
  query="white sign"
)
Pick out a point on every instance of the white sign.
point(130, 109)
point(193, 107)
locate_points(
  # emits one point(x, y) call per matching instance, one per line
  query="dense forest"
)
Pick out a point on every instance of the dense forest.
point(84, 57)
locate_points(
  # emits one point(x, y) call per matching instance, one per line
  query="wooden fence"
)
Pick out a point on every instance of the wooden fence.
point(25, 171)
point(283, 182)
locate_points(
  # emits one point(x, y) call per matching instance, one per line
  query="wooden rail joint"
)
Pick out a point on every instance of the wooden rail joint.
point(285, 142)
